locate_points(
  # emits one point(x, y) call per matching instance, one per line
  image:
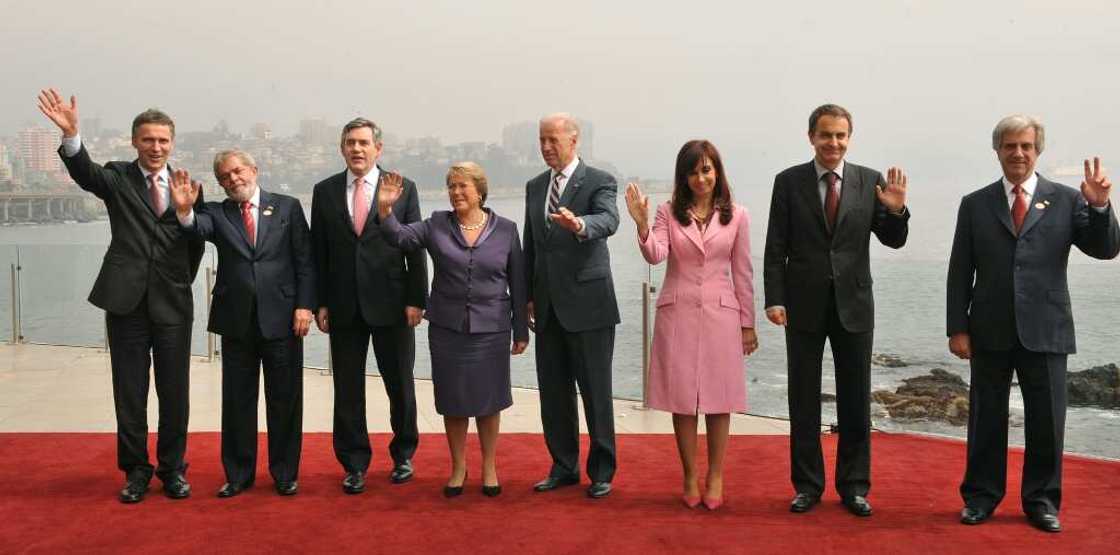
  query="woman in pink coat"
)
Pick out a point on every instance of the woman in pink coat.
point(705, 312)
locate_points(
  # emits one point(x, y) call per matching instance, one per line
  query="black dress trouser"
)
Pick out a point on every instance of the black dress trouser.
point(242, 359)
point(851, 353)
point(566, 360)
point(1042, 380)
point(394, 347)
point(136, 343)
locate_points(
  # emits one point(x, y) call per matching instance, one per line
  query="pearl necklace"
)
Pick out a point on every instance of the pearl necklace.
point(474, 226)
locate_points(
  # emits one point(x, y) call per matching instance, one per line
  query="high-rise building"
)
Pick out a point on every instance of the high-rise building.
point(261, 131)
point(316, 131)
point(38, 147)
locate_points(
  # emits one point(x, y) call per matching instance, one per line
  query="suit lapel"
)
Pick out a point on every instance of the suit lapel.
point(692, 231)
point(851, 191)
point(572, 186)
point(372, 223)
point(140, 186)
point(337, 192)
point(264, 219)
point(233, 214)
point(1042, 193)
point(811, 194)
point(998, 202)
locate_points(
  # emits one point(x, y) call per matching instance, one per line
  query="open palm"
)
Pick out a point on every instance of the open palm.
point(64, 115)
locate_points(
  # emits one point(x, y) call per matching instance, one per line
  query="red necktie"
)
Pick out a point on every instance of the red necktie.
point(154, 194)
point(247, 219)
point(1019, 207)
point(361, 207)
point(831, 199)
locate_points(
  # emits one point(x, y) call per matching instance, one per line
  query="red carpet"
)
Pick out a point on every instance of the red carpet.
point(59, 494)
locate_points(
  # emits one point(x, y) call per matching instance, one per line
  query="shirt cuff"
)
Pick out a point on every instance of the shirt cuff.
point(1101, 209)
point(71, 145)
point(775, 307)
point(582, 233)
point(188, 220)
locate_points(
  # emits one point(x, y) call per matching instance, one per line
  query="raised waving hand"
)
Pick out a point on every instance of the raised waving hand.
point(1096, 186)
point(64, 115)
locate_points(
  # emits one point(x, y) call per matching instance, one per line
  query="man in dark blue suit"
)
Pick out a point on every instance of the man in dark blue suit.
point(1008, 309)
point(262, 309)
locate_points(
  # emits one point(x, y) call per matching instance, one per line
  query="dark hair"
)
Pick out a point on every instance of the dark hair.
point(153, 116)
point(358, 123)
point(829, 110)
point(691, 154)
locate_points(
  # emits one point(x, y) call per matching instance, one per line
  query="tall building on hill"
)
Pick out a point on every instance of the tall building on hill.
point(38, 146)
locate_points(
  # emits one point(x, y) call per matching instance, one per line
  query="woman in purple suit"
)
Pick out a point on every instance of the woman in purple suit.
point(478, 298)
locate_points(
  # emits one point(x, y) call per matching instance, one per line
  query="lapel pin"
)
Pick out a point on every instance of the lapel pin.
point(1040, 205)
point(267, 211)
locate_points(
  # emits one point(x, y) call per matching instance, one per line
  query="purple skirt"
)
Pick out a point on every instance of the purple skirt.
point(470, 371)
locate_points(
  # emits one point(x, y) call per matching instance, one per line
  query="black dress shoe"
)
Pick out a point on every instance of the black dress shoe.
point(492, 491)
point(133, 491)
point(230, 489)
point(354, 482)
point(401, 473)
point(857, 505)
point(287, 488)
point(175, 486)
point(974, 515)
point(802, 502)
point(599, 490)
point(552, 482)
point(1045, 521)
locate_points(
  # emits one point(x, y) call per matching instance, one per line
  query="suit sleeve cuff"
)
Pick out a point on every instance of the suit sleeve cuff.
point(71, 145)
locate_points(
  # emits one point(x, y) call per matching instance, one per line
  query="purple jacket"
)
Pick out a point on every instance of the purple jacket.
point(479, 289)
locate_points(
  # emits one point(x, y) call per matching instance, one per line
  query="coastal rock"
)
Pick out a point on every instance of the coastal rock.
point(1096, 387)
point(939, 395)
point(888, 360)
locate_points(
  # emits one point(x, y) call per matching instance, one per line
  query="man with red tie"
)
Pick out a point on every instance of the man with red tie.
point(144, 287)
point(368, 289)
point(1008, 309)
point(817, 274)
point(262, 308)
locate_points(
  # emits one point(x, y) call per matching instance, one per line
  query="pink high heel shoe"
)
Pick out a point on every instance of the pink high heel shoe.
point(691, 501)
point(713, 503)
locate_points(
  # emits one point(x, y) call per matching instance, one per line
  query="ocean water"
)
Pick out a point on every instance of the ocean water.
point(59, 262)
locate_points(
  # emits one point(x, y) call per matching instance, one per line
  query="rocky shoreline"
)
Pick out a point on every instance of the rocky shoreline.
point(942, 396)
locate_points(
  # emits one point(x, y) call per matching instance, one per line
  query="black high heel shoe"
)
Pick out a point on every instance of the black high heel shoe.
point(454, 491)
point(492, 491)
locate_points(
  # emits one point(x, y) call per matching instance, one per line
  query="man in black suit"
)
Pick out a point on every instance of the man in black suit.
point(145, 289)
point(1008, 309)
point(367, 289)
point(817, 278)
point(570, 211)
point(262, 308)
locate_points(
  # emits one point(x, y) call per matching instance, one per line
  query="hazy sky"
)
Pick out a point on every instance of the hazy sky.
point(926, 80)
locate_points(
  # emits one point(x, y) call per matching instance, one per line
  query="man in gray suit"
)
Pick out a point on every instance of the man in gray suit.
point(1009, 309)
point(570, 211)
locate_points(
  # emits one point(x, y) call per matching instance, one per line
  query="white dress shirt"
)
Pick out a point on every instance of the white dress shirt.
point(822, 183)
point(370, 190)
point(565, 176)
